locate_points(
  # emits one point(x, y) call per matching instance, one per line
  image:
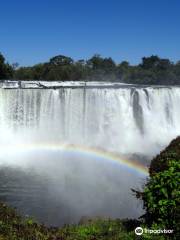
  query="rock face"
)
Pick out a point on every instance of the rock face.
point(161, 161)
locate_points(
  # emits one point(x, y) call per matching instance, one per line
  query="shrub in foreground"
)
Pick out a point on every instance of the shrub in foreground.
point(161, 196)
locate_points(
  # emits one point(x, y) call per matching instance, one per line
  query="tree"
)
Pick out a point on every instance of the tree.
point(123, 71)
point(161, 195)
point(2, 59)
point(96, 62)
point(153, 70)
point(149, 62)
point(108, 64)
point(6, 71)
point(61, 60)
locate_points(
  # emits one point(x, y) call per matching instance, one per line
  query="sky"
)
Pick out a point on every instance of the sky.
point(34, 31)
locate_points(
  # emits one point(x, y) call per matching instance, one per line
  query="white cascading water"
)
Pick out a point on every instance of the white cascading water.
point(122, 120)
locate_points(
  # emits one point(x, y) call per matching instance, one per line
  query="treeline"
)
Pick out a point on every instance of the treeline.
point(151, 70)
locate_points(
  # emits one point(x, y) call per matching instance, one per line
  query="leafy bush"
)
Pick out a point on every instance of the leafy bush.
point(161, 196)
point(15, 227)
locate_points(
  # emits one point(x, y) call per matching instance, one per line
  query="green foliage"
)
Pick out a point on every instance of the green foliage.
point(61, 60)
point(6, 71)
point(161, 161)
point(152, 70)
point(98, 229)
point(162, 196)
point(14, 227)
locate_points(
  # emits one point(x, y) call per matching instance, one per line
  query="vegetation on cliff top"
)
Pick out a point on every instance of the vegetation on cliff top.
point(152, 70)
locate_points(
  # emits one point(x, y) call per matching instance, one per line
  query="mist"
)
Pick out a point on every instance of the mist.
point(61, 186)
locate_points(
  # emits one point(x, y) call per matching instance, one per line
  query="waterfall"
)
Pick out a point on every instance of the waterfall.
point(123, 120)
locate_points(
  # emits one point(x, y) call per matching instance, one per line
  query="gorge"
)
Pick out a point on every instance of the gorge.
point(56, 139)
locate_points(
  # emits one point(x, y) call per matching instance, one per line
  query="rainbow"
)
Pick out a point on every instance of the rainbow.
point(79, 149)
